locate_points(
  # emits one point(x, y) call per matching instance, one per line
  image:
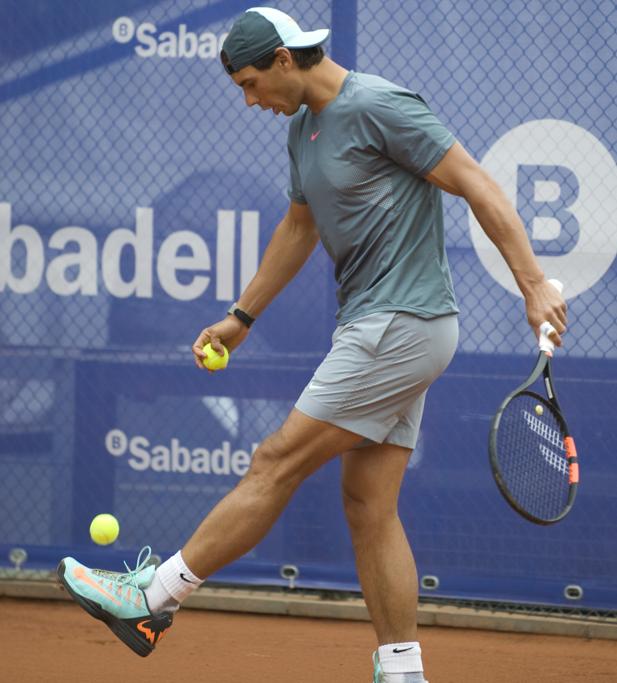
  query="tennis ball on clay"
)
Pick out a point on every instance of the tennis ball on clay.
point(104, 529)
point(539, 410)
point(213, 361)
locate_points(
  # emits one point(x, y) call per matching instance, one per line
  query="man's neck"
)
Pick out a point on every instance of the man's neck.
point(323, 84)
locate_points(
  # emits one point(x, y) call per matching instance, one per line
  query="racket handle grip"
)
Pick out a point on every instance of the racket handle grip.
point(545, 342)
point(557, 284)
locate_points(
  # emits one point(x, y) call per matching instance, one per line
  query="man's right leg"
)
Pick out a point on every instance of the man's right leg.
point(232, 528)
point(246, 514)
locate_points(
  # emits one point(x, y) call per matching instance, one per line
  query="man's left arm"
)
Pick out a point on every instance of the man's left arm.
point(459, 174)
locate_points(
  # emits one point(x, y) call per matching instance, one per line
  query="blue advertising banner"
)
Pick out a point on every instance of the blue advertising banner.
point(137, 195)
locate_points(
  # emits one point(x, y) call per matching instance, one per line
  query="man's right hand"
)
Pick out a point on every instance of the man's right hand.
point(230, 332)
point(291, 244)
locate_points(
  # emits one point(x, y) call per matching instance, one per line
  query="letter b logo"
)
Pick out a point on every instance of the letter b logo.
point(563, 182)
point(544, 197)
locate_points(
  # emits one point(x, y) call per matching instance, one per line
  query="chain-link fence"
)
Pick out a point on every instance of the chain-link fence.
point(137, 194)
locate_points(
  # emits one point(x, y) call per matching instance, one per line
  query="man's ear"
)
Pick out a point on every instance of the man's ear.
point(283, 57)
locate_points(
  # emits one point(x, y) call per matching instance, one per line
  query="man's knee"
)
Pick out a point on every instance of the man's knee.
point(297, 449)
point(366, 511)
point(272, 463)
point(266, 458)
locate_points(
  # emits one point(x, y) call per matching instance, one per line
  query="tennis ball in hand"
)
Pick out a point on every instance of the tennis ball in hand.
point(213, 361)
point(539, 410)
point(104, 529)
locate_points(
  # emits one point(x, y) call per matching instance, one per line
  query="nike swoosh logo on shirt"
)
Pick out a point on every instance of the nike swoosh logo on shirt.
point(314, 136)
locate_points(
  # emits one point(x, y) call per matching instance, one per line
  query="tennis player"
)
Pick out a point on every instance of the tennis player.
point(368, 160)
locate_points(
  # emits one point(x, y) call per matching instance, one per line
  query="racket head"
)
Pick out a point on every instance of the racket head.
point(532, 455)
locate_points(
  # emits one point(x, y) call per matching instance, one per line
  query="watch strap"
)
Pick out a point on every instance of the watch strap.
point(242, 316)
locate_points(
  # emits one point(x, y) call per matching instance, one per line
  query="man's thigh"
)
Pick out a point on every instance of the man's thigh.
point(303, 444)
point(373, 475)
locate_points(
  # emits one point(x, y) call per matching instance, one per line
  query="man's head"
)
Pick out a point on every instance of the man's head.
point(266, 54)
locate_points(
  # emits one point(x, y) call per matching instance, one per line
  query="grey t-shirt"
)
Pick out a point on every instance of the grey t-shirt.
point(359, 164)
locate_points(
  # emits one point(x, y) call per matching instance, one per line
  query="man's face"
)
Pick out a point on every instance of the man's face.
point(277, 88)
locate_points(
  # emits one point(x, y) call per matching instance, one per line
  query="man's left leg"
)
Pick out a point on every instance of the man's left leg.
point(372, 478)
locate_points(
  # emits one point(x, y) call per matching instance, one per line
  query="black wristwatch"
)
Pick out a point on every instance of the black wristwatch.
point(242, 316)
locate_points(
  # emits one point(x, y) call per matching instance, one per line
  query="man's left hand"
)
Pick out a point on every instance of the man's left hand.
point(544, 303)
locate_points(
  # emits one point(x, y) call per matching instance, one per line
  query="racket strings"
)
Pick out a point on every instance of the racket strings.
point(532, 457)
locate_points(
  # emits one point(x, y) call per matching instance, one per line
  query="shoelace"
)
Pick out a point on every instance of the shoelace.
point(129, 577)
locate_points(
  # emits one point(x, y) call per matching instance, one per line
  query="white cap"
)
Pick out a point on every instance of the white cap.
point(259, 31)
point(291, 34)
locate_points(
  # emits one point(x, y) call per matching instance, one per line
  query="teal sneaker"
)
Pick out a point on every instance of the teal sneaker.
point(376, 669)
point(380, 677)
point(118, 600)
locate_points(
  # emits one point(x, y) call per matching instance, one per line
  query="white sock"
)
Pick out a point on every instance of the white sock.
point(158, 598)
point(400, 658)
point(173, 582)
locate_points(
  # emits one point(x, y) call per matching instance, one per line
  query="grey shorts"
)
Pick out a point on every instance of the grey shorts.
point(374, 379)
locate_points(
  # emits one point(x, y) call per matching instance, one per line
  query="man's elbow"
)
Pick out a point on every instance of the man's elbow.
point(483, 192)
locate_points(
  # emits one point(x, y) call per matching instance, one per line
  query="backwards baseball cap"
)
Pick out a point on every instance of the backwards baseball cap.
point(259, 31)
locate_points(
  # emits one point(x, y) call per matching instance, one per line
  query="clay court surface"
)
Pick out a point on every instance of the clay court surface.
point(57, 641)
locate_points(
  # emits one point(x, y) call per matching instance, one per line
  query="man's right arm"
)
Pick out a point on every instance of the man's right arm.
point(293, 241)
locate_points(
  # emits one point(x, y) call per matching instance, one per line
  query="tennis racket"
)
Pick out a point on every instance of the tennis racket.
point(531, 451)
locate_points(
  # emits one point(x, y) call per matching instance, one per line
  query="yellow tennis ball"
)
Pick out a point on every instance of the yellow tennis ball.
point(104, 529)
point(539, 410)
point(213, 361)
